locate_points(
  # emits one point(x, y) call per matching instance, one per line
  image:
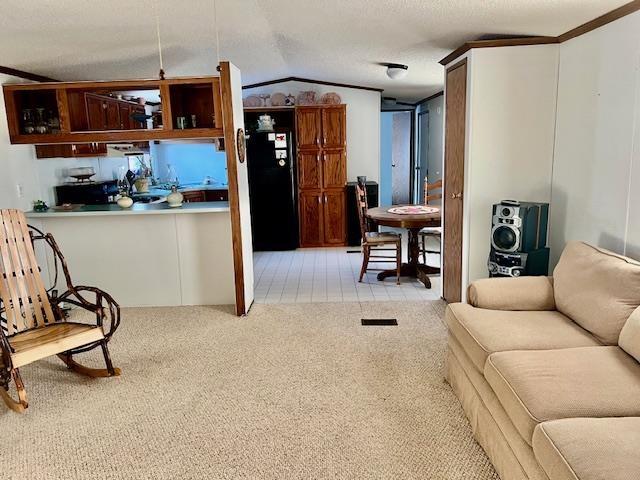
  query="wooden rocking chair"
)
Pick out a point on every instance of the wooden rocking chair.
point(32, 323)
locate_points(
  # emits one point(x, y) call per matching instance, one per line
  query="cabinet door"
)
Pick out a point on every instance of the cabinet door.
point(334, 168)
point(334, 216)
point(311, 208)
point(309, 170)
point(334, 126)
point(217, 195)
point(84, 149)
point(54, 151)
point(125, 116)
point(194, 196)
point(135, 124)
point(113, 115)
point(95, 113)
point(308, 121)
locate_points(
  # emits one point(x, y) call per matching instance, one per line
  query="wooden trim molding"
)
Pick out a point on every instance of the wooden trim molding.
point(232, 181)
point(609, 17)
point(309, 80)
point(430, 97)
point(502, 42)
point(602, 20)
point(26, 75)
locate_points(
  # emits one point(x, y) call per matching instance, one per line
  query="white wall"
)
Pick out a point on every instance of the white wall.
point(510, 133)
point(363, 123)
point(596, 178)
point(17, 164)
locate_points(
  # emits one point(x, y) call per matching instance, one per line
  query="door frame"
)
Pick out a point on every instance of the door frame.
point(461, 295)
point(418, 169)
point(412, 147)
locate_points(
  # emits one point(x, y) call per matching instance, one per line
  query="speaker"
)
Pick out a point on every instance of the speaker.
point(519, 226)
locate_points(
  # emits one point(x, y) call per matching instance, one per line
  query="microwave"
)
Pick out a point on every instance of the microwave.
point(87, 193)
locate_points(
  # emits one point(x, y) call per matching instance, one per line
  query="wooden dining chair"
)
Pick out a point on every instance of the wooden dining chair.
point(33, 324)
point(432, 191)
point(372, 241)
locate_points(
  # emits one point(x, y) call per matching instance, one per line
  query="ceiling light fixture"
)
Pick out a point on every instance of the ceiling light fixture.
point(396, 71)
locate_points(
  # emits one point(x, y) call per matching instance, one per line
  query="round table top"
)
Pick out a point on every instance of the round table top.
point(420, 220)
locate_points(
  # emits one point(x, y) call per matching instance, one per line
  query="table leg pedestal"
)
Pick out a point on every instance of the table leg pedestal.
point(413, 268)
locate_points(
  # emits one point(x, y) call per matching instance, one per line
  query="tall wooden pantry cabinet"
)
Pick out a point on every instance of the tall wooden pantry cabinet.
point(321, 132)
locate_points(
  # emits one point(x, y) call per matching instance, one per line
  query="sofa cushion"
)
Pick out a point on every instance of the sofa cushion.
point(482, 332)
point(596, 289)
point(589, 448)
point(512, 293)
point(537, 386)
point(630, 335)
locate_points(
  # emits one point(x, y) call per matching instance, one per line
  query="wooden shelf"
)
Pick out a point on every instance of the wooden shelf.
point(117, 136)
point(198, 96)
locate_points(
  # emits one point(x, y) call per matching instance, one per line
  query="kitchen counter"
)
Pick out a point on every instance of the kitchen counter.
point(136, 209)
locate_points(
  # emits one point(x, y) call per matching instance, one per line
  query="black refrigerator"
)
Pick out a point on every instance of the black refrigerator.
point(272, 191)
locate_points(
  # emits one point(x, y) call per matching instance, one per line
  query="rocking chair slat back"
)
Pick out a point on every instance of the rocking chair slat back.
point(22, 291)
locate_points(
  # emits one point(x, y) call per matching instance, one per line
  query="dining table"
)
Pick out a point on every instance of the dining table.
point(413, 223)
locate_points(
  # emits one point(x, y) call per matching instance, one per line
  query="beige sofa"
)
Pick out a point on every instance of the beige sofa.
point(547, 369)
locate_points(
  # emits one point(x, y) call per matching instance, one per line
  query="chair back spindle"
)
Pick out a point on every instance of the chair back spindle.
point(362, 205)
point(429, 189)
point(25, 303)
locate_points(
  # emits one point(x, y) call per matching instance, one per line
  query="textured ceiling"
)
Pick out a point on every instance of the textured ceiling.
point(333, 40)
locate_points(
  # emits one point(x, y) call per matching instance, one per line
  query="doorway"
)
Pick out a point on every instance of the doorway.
point(397, 162)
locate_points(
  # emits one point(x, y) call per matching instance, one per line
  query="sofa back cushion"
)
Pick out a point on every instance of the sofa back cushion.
point(630, 335)
point(597, 289)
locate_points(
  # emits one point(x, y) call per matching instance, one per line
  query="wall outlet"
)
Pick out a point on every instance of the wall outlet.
point(19, 190)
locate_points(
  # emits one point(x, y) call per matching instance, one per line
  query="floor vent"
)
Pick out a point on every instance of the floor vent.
point(354, 251)
point(379, 322)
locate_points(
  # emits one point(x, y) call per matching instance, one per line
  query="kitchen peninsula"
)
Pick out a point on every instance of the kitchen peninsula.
point(151, 254)
point(147, 255)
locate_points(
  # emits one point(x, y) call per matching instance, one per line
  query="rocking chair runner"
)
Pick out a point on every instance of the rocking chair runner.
point(32, 324)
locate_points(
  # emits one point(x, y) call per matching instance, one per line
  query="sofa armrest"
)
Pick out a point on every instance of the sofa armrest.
point(521, 293)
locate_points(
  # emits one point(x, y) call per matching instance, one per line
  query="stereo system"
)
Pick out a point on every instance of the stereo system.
point(519, 239)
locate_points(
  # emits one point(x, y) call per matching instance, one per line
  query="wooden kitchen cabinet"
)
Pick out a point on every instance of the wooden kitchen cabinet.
point(308, 127)
point(322, 174)
point(334, 126)
point(333, 218)
point(334, 168)
point(221, 195)
point(194, 196)
point(71, 151)
point(309, 170)
point(124, 112)
point(311, 218)
point(92, 112)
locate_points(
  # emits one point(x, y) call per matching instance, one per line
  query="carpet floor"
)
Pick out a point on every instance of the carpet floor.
point(289, 392)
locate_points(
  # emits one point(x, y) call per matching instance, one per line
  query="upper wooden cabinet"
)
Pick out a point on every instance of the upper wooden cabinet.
point(334, 126)
point(321, 126)
point(86, 112)
point(308, 127)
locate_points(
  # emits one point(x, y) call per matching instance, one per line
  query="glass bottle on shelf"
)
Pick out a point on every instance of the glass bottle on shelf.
point(41, 124)
point(27, 121)
point(53, 122)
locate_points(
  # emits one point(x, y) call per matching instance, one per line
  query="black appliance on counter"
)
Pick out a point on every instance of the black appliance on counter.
point(354, 238)
point(272, 190)
point(87, 193)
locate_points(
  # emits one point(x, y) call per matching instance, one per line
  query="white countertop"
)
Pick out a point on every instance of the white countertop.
point(136, 209)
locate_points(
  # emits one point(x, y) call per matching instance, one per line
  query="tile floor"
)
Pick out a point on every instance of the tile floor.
point(330, 275)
